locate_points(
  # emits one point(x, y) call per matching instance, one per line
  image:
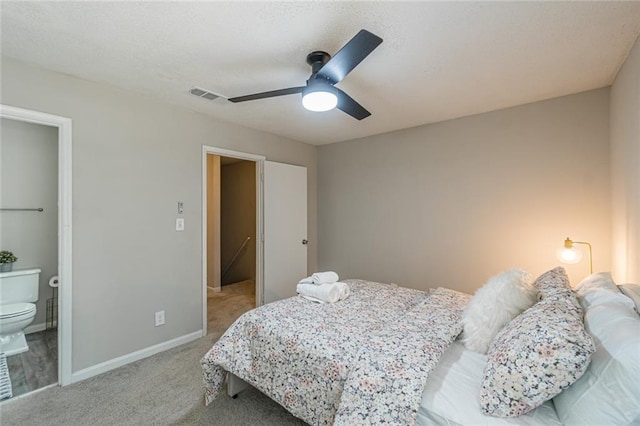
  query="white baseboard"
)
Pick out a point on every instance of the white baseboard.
point(133, 356)
point(34, 328)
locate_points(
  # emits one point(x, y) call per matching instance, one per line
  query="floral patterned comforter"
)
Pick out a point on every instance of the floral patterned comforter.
point(363, 360)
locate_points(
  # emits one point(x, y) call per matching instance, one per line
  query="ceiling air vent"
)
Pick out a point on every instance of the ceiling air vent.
point(202, 93)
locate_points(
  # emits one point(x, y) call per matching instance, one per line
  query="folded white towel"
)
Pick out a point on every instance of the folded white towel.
point(308, 280)
point(345, 291)
point(328, 277)
point(324, 292)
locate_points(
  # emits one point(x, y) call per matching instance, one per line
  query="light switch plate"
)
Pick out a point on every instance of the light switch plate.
point(179, 224)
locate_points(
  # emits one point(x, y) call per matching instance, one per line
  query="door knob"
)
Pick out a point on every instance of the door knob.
point(305, 241)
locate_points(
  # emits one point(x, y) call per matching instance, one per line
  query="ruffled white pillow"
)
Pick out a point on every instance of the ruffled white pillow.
point(500, 300)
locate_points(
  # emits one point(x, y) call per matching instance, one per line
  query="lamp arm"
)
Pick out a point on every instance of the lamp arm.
point(590, 257)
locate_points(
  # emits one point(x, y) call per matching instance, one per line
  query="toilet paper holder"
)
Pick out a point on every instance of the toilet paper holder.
point(53, 282)
point(52, 304)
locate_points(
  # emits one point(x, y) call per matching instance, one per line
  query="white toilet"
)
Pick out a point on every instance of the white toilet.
point(18, 293)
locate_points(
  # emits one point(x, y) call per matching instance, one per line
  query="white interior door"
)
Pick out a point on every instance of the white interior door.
point(285, 229)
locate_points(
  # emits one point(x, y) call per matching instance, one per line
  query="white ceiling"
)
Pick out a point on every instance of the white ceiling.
point(439, 60)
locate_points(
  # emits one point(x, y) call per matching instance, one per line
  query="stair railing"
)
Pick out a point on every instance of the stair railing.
point(235, 257)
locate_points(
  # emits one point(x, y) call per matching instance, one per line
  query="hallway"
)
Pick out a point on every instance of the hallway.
point(224, 307)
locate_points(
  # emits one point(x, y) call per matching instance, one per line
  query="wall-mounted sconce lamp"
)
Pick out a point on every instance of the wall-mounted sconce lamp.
point(569, 254)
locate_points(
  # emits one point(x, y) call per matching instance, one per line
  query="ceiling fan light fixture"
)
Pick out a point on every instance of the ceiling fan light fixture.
point(319, 97)
point(320, 94)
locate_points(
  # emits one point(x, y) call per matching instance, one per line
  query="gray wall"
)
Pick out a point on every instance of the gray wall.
point(625, 169)
point(450, 204)
point(134, 158)
point(29, 176)
point(238, 220)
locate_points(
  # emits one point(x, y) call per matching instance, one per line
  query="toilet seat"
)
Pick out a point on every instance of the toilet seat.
point(16, 309)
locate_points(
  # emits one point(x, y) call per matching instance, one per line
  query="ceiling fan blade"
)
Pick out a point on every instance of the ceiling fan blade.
point(271, 94)
point(347, 58)
point(347, 104)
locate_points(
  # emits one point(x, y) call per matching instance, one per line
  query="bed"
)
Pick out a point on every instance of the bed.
point(389, 354)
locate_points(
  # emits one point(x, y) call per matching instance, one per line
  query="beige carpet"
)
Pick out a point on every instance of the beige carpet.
point(227, 305)
point(165, 389)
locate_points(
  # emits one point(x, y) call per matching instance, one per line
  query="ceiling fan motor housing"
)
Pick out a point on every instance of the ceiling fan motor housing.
point(317, 59)
point(319, 85)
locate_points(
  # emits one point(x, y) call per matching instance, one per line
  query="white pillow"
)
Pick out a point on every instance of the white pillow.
point(599, 288)
point(608, 392)
point(597, 280)
point(500, 300)
point(632, 291)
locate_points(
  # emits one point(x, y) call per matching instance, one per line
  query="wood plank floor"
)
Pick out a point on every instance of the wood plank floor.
point(38, 367)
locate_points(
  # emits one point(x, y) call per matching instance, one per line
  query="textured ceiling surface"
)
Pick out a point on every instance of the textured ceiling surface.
point(438, 61)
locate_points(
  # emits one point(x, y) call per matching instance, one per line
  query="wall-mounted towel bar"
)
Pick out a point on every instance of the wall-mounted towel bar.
point(23, 210)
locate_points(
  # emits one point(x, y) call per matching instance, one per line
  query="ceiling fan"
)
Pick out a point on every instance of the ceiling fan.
point(320, 93)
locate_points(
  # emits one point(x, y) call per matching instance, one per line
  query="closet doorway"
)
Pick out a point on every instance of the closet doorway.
point(230, 240)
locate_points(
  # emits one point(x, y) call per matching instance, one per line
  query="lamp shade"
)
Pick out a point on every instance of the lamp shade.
point(319, 96)
point(569, 255)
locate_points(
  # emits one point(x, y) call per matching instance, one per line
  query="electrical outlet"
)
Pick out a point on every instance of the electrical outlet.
point(159, 318)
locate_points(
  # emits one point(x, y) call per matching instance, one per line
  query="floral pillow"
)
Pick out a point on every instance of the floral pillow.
point(538, 354)
point(553, 282)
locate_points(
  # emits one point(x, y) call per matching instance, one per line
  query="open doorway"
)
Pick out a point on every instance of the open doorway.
point(36, 222)
point(232, 214)
point(280, 229)
point(29, 230)
point(231, 236)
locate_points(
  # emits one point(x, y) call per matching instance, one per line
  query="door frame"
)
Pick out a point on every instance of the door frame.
point(259, 160)
point(65, 253)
